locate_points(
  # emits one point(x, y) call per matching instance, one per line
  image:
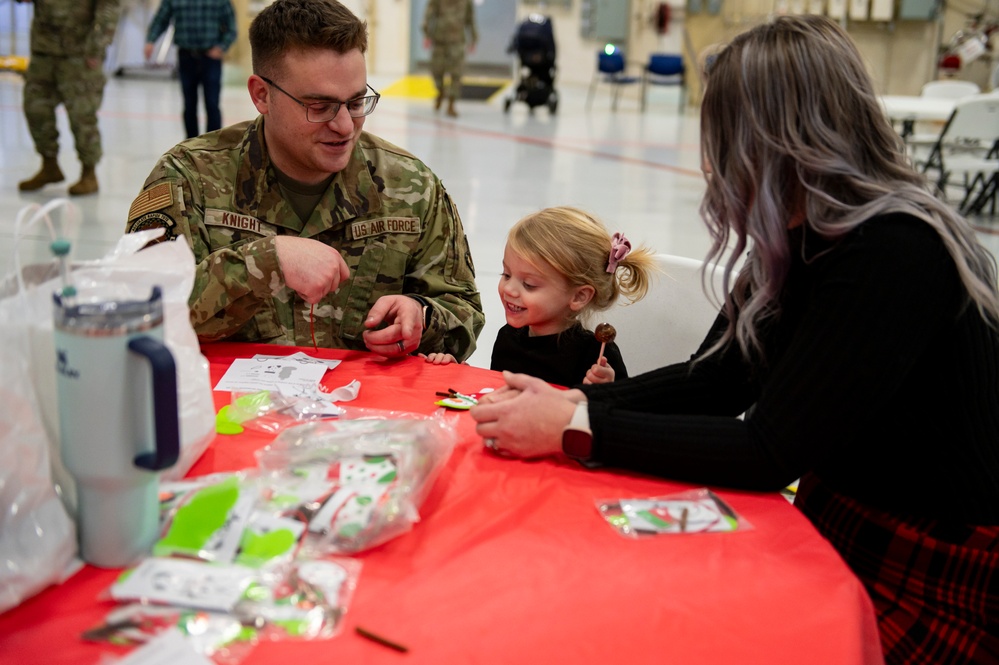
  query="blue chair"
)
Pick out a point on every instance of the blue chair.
point(611, 68)
point(664, 69)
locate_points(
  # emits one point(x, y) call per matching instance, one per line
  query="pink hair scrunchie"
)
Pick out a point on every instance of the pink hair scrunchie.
point(620, 246)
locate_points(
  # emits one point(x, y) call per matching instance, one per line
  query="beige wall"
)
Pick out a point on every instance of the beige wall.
point(901, 55)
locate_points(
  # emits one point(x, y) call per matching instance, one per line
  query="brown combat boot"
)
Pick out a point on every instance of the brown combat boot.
point(450, 109)
point(49, 173)
point(87, 184)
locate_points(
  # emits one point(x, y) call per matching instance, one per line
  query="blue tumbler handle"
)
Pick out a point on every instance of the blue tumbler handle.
point(164, 404)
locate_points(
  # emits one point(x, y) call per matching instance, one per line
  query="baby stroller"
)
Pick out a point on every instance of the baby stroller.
point(534, 44)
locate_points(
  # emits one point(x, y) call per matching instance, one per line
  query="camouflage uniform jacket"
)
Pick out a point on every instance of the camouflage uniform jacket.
point(446, 21)
point(386, 213)
point(73, 27)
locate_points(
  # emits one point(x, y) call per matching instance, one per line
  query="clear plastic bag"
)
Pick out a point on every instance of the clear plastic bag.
point(218, 636)
point(692, 511)
point(358, 481)
point(219, 519)
point(37, 537)
point(304, 599)
point(271, 412)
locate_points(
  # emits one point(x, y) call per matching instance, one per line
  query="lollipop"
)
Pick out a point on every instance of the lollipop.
point(604, 333)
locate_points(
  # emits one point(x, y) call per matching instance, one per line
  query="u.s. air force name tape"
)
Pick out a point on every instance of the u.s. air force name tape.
point(374, 227)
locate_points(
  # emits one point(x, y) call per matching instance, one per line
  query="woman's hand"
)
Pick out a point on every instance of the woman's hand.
point(526, 417)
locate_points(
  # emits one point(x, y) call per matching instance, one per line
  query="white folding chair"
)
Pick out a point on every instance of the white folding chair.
point(968, 147)
point(950, 89)
point(919, 143)
point(671, 321)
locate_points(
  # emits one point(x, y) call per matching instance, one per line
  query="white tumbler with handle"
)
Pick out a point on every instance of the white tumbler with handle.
point(117, 393)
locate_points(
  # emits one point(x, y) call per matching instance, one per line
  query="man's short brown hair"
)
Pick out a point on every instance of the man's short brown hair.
point(303, 24)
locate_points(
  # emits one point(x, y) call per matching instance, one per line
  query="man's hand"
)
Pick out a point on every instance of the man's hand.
point(403, 319)
point(310, 268)
point(147, 50)
point(215, 53)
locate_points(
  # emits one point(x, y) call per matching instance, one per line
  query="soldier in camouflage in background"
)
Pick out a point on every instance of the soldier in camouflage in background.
point(304, 226)
point(445, 24)
point(68, 42)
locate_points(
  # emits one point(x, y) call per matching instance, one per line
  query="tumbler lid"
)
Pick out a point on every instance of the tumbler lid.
point(108, 317)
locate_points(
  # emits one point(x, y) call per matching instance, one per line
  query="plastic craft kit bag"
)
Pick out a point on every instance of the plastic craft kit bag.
point(358, 481)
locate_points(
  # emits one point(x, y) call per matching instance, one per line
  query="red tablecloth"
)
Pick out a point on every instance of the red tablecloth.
point(512, 563)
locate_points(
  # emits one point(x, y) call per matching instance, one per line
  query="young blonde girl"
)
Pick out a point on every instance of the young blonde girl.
point(560, 266)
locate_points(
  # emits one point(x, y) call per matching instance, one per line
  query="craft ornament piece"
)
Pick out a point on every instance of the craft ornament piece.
point(452, 399)
point(222, 611)
point(694, 511)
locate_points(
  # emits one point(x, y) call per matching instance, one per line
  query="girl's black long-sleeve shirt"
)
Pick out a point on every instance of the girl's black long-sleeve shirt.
point(563, 358)
point(880, 376)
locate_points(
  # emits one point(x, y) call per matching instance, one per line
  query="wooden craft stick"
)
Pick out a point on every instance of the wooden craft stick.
point(381, 640)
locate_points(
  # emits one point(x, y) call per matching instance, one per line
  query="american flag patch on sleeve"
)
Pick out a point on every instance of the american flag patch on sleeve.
point(154, 198)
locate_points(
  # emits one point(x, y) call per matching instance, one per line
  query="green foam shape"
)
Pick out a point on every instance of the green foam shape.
point(224, 425)
point(252, 403)
point(260, 547)
point(198, 520)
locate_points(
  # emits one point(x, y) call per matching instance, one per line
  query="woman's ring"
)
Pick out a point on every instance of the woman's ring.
point(402, 346)
point(490, 443)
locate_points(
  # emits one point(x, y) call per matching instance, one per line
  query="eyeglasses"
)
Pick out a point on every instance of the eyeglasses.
point(326, 111)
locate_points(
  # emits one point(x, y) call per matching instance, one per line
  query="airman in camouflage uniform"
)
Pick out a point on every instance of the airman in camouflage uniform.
point(402, 275)
point(68, 42)
point(445, 24)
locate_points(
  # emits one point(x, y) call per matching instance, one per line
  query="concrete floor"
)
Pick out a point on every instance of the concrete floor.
point(637, 171)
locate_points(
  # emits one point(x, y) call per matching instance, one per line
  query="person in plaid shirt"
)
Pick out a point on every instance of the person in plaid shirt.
point(203, 31)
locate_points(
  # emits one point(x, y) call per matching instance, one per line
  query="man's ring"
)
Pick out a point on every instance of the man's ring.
point(490, 443)
point(402, 346)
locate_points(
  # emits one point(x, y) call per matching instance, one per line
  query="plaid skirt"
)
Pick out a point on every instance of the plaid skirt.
point(935, 586)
